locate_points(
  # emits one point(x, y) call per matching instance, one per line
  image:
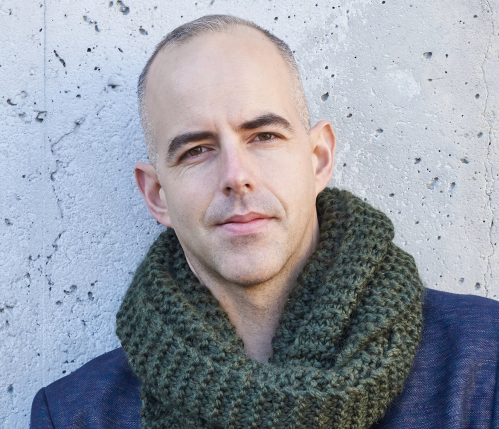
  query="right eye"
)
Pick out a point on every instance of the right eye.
point(195, 151)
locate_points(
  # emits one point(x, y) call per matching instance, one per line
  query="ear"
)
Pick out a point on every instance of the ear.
point(151, 190)
point(323, 147)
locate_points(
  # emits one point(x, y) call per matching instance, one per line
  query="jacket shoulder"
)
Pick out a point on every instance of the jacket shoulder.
point(40, 414)
point(461, 313)
point(454, 380)
point(102, 393)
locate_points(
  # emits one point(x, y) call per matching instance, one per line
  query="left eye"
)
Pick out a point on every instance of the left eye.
point(265, 136)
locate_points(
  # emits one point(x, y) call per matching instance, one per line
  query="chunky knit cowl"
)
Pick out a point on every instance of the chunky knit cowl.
point(343, 349)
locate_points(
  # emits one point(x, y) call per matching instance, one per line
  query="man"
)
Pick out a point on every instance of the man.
point(270, 301)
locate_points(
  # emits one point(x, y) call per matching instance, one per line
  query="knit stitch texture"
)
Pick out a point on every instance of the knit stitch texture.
point(343, 349)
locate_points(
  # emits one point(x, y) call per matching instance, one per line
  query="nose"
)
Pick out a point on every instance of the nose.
point(236, 170)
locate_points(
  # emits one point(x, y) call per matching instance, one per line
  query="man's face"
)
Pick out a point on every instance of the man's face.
point(236, 166)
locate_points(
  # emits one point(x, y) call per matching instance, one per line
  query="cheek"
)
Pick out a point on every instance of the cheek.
point(188, 197)
point(290, 175)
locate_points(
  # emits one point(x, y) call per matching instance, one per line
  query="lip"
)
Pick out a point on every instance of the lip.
point(248, 223)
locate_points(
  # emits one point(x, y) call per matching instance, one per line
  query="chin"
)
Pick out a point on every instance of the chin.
point(247, 271)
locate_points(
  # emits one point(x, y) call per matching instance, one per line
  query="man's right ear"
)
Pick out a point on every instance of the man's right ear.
point(151, 190)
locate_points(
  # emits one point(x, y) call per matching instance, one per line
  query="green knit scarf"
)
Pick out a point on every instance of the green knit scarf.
point(343, 349)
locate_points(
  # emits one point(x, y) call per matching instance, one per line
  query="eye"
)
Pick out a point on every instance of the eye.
point(265, 136)
point(195, 151)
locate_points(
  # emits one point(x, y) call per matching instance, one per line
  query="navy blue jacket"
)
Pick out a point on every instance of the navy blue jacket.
point(454, 382)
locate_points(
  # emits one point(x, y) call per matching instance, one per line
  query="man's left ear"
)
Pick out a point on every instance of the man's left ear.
point(323, 147)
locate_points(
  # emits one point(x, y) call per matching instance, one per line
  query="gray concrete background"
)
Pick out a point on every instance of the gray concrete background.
point(411, 88)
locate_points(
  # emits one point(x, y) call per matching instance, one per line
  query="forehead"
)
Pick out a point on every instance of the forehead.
point(227, 76)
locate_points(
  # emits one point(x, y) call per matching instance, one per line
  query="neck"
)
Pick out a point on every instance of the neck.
point(255, 310)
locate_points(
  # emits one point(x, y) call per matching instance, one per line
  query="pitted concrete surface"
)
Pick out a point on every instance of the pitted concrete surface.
point(411, 88)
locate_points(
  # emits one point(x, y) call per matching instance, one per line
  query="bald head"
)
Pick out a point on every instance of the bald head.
point(181, 56)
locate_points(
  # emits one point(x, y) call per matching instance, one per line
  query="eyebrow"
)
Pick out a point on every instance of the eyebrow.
point(177, 142)
point(264, 120)
point(181, 140)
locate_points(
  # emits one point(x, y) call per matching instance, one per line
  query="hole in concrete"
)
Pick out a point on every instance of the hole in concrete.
point(431, 184)
point(124, 9)
point(41, 116)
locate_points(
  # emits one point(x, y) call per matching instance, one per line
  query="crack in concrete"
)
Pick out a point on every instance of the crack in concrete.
point(77, 124)
point(44, 213)
point(489, 177)
point(52, 145)
point(60, 164)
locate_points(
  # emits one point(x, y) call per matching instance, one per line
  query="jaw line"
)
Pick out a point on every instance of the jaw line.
point(193, 270)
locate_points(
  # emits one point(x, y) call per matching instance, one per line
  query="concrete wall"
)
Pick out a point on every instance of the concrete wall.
point(411, 88)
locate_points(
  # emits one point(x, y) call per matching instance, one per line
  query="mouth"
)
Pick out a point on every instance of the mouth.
point(249, 223)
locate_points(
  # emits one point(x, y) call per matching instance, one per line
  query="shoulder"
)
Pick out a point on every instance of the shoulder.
point(449, 301)
point(103, 391)
point(454, 378)
point(460, 314)
point(459, 327)
point(108, 370)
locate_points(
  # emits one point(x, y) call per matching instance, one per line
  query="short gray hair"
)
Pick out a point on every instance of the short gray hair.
point(216, 24)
